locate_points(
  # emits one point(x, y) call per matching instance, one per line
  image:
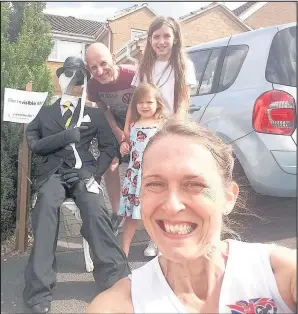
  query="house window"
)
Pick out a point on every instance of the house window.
point(136, 33)
point(85, 49)
point(54, 52)
point(68, 48)
point(63, 49)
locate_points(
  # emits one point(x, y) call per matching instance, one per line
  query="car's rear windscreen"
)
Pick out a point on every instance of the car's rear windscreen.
point(281, 64)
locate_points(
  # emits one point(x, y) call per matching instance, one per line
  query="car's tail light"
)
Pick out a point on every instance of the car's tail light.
point(274, 113)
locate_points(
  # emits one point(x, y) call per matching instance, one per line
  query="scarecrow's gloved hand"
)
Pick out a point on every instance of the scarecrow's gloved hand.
point(71, 176)
point(73, 134)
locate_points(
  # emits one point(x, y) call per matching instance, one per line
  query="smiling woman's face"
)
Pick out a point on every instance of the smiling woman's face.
point(183, 197)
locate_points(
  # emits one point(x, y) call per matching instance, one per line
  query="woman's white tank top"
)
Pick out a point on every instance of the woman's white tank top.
point(248, 286)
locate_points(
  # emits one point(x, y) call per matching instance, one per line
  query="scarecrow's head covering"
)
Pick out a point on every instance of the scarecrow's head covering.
point(74, 65)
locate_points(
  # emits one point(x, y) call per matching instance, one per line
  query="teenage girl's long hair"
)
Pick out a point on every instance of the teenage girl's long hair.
point(177, 60)
point(142, 90)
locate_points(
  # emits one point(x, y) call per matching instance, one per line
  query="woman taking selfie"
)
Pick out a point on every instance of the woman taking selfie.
point(187, 193)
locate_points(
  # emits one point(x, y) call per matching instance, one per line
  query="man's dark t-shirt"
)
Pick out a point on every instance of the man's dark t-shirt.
point(116, 95)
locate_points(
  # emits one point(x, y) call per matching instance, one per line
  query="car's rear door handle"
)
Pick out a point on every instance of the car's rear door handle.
point(192, 110)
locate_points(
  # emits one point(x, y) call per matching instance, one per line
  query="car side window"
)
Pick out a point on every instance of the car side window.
point(282, 59)
point(234, 58)
point(208, 77)
point(199, 59)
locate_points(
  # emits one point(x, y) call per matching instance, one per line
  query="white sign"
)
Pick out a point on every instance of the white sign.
point(21, 106)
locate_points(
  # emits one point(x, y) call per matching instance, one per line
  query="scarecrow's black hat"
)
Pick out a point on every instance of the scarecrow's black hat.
point(72, 64)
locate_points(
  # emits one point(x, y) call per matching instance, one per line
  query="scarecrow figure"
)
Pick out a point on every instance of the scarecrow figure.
point(61, 134)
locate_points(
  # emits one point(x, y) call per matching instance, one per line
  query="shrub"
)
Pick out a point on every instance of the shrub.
point(26, 43)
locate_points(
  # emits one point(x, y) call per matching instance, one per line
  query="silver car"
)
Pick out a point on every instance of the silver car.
point(246, 93)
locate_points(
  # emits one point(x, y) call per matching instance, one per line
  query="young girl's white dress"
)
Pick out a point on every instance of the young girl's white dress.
point(130, 194)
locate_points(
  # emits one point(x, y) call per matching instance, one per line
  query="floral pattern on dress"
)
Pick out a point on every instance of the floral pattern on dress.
point(130, 193)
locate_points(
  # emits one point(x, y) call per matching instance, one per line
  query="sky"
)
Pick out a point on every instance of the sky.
point(100, 11)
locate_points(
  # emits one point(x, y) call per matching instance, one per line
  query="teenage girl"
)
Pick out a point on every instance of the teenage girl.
point(165, 64)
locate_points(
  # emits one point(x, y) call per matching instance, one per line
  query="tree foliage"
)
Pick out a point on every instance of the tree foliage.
point(26, 43)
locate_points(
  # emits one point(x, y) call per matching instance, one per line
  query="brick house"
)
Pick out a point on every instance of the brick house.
point(265, 14)
point(210, 23)
point(206, 24)
point(217, 21)
point(126, 25)
point(125, 33)
point(71, 37)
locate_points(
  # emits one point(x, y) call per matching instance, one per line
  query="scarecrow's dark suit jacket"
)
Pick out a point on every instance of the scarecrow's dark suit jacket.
point(46, 138)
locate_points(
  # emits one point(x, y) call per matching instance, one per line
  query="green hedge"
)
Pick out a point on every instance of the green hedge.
point(11, 134)
point(26, 43)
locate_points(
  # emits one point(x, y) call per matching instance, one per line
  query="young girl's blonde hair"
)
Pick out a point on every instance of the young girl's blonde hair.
point(177, 60)
point(142, 90)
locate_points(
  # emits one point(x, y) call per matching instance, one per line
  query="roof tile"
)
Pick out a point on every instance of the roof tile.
point(73, 25)
point(243, 8)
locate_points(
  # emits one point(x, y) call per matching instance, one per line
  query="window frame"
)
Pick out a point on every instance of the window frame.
point(136, 30)
point(214, 81)
point(266, 69)
point(219, 68)
point(57, 42)
point(239, 69)
point(203, 70)
point(217, 71)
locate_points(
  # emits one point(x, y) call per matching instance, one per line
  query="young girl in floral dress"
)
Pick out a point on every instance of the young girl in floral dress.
point(147, 113)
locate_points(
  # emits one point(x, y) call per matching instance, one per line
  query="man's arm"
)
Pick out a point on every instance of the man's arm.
point(49, 144)
point(112, 122)
point(106, 145)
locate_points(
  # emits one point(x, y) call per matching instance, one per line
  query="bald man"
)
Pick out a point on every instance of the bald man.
point(110, 88)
